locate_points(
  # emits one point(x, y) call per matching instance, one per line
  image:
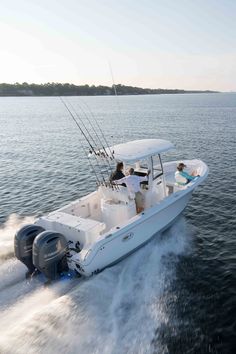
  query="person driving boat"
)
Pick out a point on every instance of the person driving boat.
point(132, 182)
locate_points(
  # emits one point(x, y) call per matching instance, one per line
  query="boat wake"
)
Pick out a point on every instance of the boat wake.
point(7, 232)
point(116, 311)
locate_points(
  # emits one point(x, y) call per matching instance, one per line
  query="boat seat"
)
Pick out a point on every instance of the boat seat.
point(116, 195)
point(84, 230)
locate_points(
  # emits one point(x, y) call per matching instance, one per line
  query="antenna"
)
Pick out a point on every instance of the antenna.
point(114, 86)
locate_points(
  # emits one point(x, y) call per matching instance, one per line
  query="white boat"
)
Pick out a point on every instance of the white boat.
point(103, 227)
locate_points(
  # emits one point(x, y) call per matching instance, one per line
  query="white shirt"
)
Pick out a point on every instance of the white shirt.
point(132, 182)
point(180, 179)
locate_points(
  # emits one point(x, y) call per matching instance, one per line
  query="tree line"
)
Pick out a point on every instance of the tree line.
point(58, 89)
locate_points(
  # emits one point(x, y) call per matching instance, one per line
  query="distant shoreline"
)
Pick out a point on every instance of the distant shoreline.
point(57, 89)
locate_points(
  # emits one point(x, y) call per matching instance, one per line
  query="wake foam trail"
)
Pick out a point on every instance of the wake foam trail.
point(27, 310)
point(11, 272)
point(116, 311)
point(7, 233)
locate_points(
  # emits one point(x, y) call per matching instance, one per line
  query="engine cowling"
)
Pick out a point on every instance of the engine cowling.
point(49, 254)
point(23, 244)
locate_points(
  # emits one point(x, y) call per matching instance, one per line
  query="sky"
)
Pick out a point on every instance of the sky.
point(186, 44)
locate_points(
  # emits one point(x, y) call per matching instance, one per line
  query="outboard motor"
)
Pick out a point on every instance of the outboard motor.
point(23, 244)
point(49, 254)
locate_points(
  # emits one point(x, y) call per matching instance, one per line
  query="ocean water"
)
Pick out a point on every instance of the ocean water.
point(175, 295)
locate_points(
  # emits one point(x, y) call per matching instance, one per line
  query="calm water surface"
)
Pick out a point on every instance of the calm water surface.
point(177, 294)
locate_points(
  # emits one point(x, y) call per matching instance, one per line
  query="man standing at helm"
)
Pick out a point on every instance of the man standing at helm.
point(133, 184)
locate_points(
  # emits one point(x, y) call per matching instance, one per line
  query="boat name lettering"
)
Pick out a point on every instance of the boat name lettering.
point(128, 237)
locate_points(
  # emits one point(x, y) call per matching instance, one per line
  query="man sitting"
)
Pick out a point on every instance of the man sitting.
point(118, 173)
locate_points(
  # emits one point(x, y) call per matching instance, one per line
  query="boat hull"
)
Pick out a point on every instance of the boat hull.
point(131, 237)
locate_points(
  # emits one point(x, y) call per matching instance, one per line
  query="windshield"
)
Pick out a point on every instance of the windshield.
point(157, 166)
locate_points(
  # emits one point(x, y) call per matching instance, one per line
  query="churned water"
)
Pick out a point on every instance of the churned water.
point(175, 295)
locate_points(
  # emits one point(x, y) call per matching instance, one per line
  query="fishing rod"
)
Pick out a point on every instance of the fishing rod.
point(97, 153)
point(103, 136)
point(91, 147)
point(77, 115)
point(72, 116)
point(92, 150)
point(91, 165)
point(103, 153)
point(114, 186)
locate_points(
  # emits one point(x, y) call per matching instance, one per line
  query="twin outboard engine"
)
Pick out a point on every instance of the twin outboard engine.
point(40, 250)
point(49, 254)
point(23, 244)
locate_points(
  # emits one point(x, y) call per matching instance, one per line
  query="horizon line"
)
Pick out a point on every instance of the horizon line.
point(119, 84)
